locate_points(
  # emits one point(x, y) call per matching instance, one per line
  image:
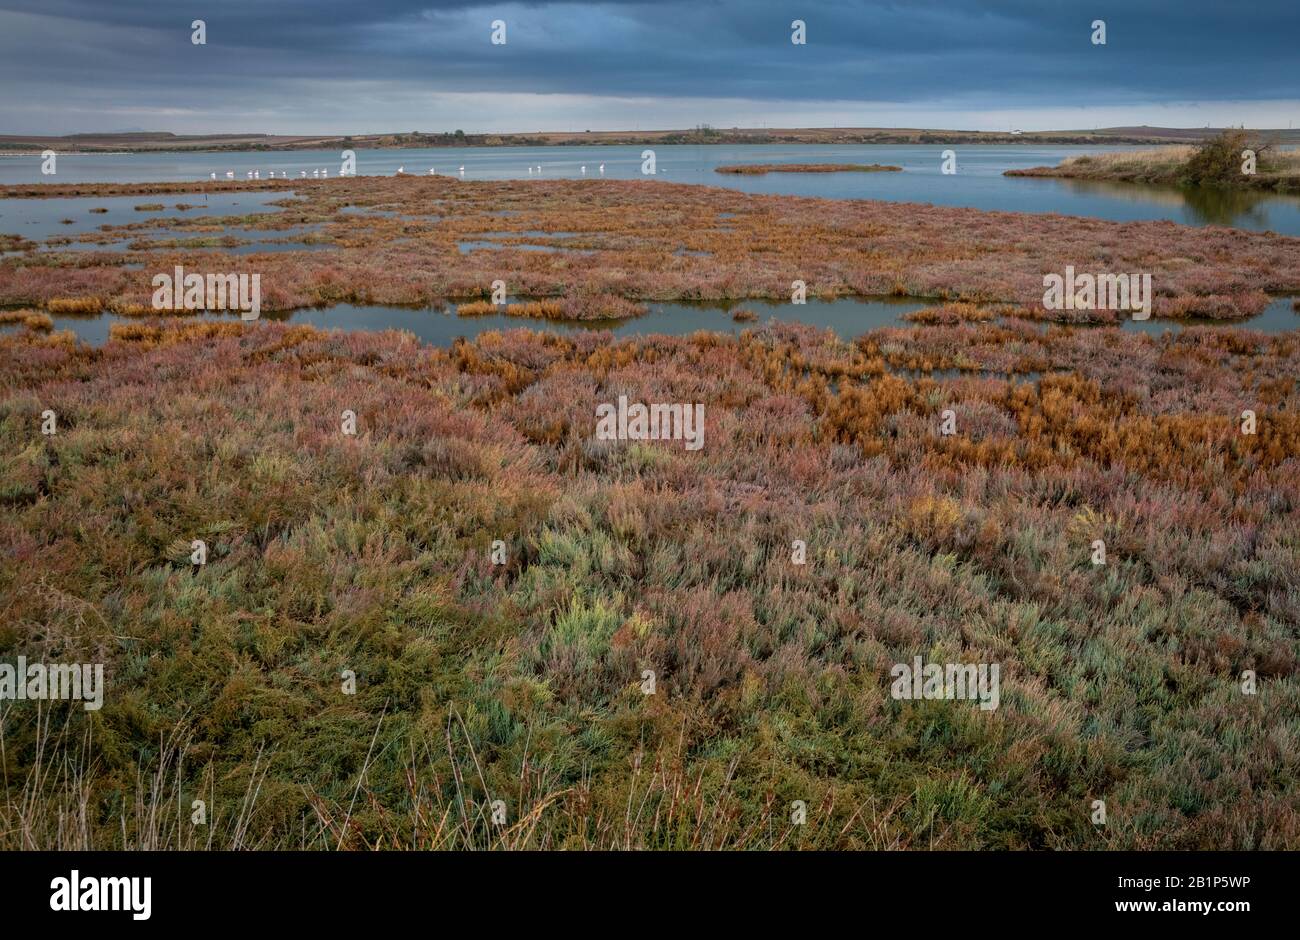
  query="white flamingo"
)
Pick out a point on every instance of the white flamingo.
point(584, 171)
point(250, 174)
point(214, 176)
point(530, 171)
point(257, 174)
point(302, 173)
point(325, 173)
point(401, 170)
point(602, 169)
point(315, 174)
point(230, 174)
point(462, 171)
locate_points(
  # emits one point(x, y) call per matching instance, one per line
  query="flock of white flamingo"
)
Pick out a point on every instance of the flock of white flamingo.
point(270, 174)
point(401, 170)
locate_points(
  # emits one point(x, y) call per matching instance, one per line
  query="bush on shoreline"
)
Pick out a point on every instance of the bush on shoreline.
point(1216, 162)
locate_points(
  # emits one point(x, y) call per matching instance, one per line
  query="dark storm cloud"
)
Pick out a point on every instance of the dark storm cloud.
point(76, 57)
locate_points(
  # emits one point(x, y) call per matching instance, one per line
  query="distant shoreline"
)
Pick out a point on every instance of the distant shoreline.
point(84, 153)
point(85, 144)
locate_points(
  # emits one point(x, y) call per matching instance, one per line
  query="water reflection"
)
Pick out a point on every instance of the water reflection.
point(1196, 205)
point(1236, 207)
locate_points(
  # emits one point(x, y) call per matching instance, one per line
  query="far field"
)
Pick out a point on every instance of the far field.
point(155, 141)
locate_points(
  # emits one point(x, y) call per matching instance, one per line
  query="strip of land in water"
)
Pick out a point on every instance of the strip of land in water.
point(758, 169)
point(1274, 170)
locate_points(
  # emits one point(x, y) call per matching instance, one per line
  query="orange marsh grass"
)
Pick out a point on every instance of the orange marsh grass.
point(75, 305)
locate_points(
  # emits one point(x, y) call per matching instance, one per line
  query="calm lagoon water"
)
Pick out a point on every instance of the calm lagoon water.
point(39, 219)
point(978, 183)
point(847, 317)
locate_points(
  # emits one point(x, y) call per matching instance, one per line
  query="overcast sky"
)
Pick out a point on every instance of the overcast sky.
point(367, 66)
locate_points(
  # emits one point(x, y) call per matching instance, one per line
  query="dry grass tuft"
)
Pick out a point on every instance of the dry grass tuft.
point(75, 305)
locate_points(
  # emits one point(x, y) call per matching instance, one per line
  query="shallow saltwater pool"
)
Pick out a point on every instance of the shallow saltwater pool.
point(847, 317)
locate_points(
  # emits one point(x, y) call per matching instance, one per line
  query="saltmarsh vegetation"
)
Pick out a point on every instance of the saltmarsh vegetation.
point(612, 246)
point(32, 319)
point(522, 682)
point(569, 308)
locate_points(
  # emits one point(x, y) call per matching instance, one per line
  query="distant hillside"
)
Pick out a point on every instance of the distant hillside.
point(1184, 135)
point(144, 141)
